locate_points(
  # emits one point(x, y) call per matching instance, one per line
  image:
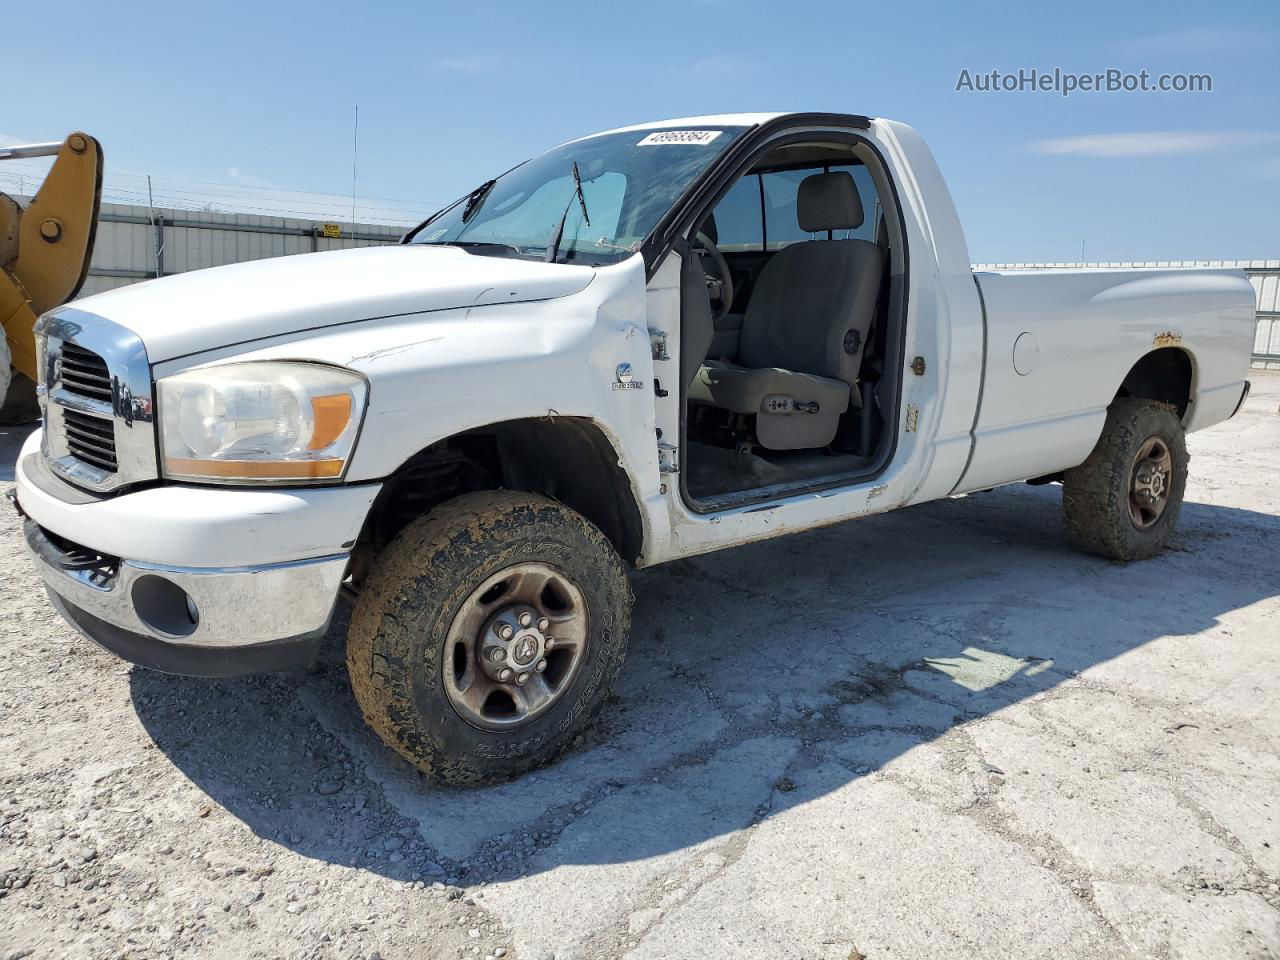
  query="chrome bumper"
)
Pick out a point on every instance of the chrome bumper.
point(228, 609)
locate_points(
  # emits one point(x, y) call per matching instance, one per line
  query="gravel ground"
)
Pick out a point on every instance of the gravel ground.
point(938, 733)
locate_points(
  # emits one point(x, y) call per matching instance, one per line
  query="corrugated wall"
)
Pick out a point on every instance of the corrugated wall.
point(1266, 344)
point(1263, 274)
point(132, 246)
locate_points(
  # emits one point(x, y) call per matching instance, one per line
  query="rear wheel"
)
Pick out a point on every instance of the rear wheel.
point(1123, 502)
point(488, 634)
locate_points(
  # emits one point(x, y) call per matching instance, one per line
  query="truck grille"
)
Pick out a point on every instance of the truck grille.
point(84, 372)
point(91, 438)
point(99, 431)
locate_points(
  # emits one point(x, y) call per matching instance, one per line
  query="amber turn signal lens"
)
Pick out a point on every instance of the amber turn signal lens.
point(331, 414)
point(329, 469)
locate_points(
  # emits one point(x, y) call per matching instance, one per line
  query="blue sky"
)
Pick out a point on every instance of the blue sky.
point(250, 105)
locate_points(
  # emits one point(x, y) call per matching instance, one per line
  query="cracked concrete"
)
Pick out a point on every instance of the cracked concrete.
point(937, 733)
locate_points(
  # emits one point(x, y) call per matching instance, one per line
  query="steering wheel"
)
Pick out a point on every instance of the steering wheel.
point(719, 280)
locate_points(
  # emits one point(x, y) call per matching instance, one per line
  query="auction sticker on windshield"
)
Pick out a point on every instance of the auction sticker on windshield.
point(679, 136)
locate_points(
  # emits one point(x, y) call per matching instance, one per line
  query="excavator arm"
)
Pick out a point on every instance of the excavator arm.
point(45, 249)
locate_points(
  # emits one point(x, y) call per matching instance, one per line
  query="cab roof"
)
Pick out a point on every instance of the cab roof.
point(710, 120)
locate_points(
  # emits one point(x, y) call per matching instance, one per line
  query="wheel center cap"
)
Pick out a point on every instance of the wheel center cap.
point(525, 649)
point(1151, 482)
point(514, 643)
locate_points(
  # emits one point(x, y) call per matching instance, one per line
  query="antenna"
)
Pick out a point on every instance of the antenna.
point(355, 155)
point(1082, 253)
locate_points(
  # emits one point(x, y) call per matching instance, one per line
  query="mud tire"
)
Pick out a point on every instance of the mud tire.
point(395, 647)
point(1095, 495)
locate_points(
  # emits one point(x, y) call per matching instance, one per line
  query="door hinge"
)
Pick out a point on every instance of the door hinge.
point(917, 366)
point(658, 344)
point(913, 418)
point(667, 462)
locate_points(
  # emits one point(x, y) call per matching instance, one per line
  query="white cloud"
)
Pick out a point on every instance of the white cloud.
point(249, 180)
point(242, 192)
point(1198, 40)
point(715, 66)
point(1152, 144)
point(273, 201)
point(482, 63)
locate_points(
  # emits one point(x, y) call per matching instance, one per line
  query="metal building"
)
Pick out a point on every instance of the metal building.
point(1263, 274)
point(134, 243)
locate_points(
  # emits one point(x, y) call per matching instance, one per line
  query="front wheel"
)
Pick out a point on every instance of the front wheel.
point(1123, 502)
point(488, 634)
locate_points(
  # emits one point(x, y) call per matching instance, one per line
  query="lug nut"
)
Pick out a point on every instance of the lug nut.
point(497, 654)
point(543, 624)
point(548, 643)
point(525, 618)
point(542, 665)
point(522, 678)
point(504, 630)
point(505, 674)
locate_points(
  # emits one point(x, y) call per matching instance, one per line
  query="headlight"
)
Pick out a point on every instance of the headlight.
point(260, 421)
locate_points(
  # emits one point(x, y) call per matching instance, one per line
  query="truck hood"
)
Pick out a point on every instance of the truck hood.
point(220, 306)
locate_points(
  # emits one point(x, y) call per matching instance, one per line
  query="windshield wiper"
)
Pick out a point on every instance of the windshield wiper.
point(553, 245)
point(478, 245)
point(475, 199)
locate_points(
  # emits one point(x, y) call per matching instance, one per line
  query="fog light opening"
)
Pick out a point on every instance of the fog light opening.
point(164, 606)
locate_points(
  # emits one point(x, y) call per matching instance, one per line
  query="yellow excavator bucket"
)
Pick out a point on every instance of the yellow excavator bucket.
point(45, 249)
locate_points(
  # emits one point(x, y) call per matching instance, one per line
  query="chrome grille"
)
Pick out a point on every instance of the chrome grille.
point(95, 385)
point(84, 372)
point(91, 438)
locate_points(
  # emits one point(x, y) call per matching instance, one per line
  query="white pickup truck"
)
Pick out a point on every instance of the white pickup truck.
point(641, 345)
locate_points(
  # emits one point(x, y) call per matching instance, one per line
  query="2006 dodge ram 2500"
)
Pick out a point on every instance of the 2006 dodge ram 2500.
point(641, 345)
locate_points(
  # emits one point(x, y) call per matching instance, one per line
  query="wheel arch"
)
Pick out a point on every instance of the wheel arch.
point(1166, 375)
point(569, 459)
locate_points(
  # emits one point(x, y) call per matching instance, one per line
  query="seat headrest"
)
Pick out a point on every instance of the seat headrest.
point(828, 201)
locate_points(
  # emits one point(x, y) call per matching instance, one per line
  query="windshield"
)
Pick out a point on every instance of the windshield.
point(629, 180)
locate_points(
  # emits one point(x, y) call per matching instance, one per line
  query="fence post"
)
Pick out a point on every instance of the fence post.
point(160, 245)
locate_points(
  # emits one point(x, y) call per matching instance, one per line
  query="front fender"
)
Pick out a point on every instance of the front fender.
point(436, 374)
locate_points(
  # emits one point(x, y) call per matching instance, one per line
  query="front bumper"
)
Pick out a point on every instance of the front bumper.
point(213, 597)
point(200, 622)
point(187, 659)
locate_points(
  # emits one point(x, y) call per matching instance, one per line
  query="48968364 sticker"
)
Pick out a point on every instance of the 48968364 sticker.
point(673, 137)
